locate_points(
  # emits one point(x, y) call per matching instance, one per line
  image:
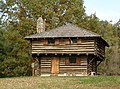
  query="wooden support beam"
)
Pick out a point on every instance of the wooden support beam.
point(98, 64)
point(39, 66)
point(38, 54)
point(92, 60)
point(87, 53)
point(90, 64)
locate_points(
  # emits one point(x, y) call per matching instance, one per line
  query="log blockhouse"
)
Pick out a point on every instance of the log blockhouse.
point(66, 51)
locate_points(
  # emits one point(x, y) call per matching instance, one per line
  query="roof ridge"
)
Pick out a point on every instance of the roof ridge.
point(68, 30)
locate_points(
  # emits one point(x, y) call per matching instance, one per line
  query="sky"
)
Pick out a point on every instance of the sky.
point(104, 9)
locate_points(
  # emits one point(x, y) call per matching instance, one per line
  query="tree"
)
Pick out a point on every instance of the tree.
point(55, 12)
point(14, 60)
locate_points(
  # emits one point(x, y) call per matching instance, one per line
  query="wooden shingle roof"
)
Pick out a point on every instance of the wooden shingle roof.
point(68, 30)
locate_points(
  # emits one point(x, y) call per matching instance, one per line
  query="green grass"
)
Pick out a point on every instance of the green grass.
point(89, 82)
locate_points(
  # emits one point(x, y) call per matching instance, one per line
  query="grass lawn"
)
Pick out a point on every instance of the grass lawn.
point(88, 82)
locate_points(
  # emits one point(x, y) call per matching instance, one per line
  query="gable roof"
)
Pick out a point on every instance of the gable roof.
point(68, 30)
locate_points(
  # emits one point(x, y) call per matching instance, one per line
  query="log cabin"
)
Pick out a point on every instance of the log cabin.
point(68, 50)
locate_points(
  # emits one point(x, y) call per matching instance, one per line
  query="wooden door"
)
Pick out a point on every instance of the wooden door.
point(55, 65)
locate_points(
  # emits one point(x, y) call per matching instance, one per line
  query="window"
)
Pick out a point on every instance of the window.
point(61, 41)
point(51, 41)
point(73, 40)
point(72, 60)
point(64, 41)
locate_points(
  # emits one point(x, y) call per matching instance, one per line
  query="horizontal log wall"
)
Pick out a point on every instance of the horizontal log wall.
point(45, 65)
point(82, 46)
point(74, 68)
point(100, 48)
point(68, 69)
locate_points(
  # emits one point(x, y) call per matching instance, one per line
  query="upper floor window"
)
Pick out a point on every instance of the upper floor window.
point(73, 40)
point(51, 41)
point(62, 41)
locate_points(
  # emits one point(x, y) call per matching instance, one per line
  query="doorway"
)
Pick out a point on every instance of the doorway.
point(55, 65)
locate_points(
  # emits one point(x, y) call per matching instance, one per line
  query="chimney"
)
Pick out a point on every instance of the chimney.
point(40, 25)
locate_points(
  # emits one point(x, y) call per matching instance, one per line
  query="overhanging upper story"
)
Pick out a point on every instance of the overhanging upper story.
point(67, 39)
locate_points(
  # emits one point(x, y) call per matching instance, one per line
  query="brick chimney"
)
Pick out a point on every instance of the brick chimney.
point(40, 25)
